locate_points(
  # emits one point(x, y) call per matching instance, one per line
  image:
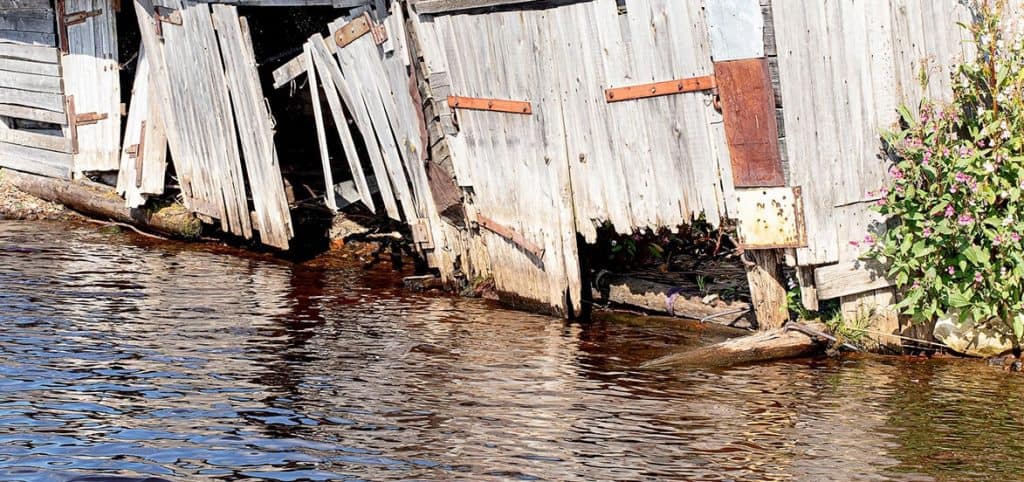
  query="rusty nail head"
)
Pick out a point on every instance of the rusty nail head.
point(654, 90)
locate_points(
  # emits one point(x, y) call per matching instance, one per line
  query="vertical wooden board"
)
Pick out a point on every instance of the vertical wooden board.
point(748, 108)
point(144, 154)
point(91, 75)
point(321, 134)
point(735, 29)
point(255, 128)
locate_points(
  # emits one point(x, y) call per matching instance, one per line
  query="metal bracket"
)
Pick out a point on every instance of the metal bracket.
point(655, 89)
point(80, 17)
point(139, 153)
point(493, 105)
point(162, 15)
point(358, 27)
point(770, 217)
point(89, 118)
point(511, 235)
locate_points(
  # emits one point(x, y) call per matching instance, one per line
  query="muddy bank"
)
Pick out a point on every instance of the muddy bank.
point(15, 204)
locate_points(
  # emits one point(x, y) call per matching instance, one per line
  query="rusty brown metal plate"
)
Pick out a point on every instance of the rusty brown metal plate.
point(678, 86)
point(353, 30)
point(511, 235)
point(494, 105)
point(748, 111)
point(770, 217)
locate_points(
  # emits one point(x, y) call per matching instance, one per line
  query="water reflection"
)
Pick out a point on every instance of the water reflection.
point(120, 357)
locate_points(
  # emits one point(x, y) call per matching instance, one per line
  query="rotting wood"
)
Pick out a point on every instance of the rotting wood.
point(511, 235)
point(776, 344)
point(445, 6)
point(663, 298)
point(103, 202)
point(144, 155)
point(655, 89)
point(748, 110)
point(321, 135)
point(767, 293)
point(493, 105)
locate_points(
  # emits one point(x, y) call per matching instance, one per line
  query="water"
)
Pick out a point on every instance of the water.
point(121, 356)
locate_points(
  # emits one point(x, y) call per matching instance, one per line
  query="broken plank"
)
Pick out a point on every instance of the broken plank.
point(144, 152)
point(777, 344)
point(321, 135)
point(323, 62)
point(849, 278)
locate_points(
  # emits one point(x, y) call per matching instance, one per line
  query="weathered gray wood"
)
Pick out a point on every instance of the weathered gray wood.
point(445, 6)
point(30, 82)
point(31, 113)
point(37, 140)
point(321, 135)
point(36, 161)
point(28, 38)
point(292, 3)
point(255, 128)
point(324, 63)
point(660, 297)
point(40, 100)
point(23, 4)
point(144, 153)
point(92, 76)
point(777, 344)
point(290, 70)
point(35, 53)
point(28, 20)
point(849, 278)
point(28, 67)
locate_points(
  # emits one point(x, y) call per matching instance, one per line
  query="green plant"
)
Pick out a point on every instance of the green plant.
point(955, 190)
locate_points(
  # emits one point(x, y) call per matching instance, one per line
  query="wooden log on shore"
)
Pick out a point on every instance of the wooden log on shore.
point(656, 297)
point(793, 341)
point(97, 200)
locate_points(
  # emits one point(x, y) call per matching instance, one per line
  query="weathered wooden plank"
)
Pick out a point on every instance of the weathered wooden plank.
point(324, 63)
point(292, 3)
point(748, 108)
point(28, 38)
point(30, 82)
point(290, 70)
point(34, 53)
point(255, 128)
point(92, 76)
point(144, 153)
point(53, 102)
point(849, 278)
point(27, 67)
point(735, 29)
point(28, 20)
point(24, 4)
point(321, 134)
point(31, 113)
point(36, 161)
point(37, 140)
point(445, 6)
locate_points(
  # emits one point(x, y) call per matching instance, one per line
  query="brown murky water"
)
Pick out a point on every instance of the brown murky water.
point(122, 357)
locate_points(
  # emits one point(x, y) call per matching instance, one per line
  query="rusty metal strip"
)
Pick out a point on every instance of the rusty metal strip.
point(668, 87)
point(358, 27)
point(139, 153)
point(493, 105)
point(511, 235)
point(89, 118)
point(72, 122)
point(80, 17)
point(62, 28)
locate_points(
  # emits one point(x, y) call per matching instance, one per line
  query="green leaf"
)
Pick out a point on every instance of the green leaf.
point(958, 299)
point(976, 256)
point(1018, 325)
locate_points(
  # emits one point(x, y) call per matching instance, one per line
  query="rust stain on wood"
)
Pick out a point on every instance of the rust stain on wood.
point(668, 87)
point(494, 105)
point(751, 132)
point(510, 234)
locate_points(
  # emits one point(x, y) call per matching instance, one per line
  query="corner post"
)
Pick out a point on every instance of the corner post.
point(767, 293)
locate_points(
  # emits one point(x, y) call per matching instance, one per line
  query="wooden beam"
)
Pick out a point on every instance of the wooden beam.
point(767, 293)
point(444, 6)
point(849, 278)
point(35, 53)
point(28, 38)
point(30, 113)
point(31, 82)
point(28, 67)
point(37, 161)
point(28, 20)
point(53, 102)
point(321, 135)
point(37, 140)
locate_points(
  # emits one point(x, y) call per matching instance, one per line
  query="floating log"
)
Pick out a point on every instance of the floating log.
point(795, 340)
point(653, 296)
point(101, 201)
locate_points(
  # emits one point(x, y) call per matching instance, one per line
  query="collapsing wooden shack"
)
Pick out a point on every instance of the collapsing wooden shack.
point(502, 132)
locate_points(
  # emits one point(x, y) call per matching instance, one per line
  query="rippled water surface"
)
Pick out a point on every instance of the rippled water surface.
point(123, 357)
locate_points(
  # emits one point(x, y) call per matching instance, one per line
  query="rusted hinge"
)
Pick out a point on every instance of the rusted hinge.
point(358, 27)
point(494, 105)
point(75, 120)
point(162, 15)
point(511, 235)
point(80, 17)
point(678, 86)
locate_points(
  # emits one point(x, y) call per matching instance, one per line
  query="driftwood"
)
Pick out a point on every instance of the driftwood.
point(101, 201)
point(793, 341)
point(653, 296)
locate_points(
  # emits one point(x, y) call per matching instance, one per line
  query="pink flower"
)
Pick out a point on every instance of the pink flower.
point(952, 189)
point(949, 211)
point(880, 202)
point(895, 172)
point(869, 240)
point(977, 277)
point(997, 240)
point(950, 270)
point(916, 285)
point(927, 157)
point(1015, 237)
point(855, 243)
point(927, 232)
point(961, 177)
point(965, 219)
